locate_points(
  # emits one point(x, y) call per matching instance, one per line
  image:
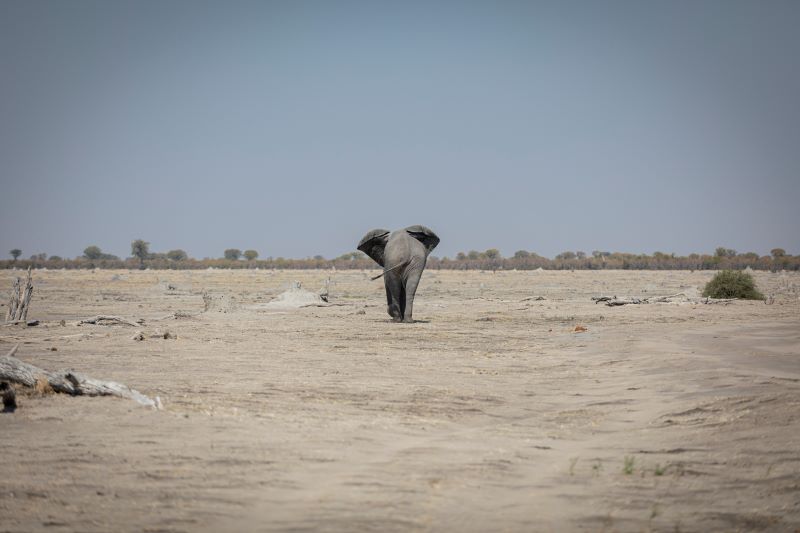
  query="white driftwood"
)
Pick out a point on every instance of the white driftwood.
point(68, 381)
point(108, 320)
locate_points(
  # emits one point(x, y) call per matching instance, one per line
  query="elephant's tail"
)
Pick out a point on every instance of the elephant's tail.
point(389, 270)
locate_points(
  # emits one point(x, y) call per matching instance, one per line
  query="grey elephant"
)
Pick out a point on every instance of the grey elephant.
point(402, 254)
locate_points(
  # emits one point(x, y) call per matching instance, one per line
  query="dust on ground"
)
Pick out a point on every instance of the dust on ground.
point(498, 410)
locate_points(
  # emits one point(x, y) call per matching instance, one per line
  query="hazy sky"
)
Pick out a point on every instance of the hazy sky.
point(295, 127)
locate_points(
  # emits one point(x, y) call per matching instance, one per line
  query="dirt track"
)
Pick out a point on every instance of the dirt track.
point(490, 414)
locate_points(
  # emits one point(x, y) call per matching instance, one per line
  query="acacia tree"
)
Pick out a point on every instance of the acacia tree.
point(15, 253)
point(233, 254)
point(93, 253)
point(140, 249)
point(177, 255)
point(250, 255)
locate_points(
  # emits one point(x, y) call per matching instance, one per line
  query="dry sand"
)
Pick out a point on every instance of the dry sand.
point(490, 414)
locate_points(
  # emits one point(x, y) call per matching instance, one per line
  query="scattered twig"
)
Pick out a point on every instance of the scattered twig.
point(174, 316)
point(108, 320)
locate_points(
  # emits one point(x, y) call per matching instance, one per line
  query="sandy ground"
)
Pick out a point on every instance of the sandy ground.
point(491, 414)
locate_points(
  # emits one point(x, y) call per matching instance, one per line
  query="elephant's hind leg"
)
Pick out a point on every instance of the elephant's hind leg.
point(393, 299)
point(409, 290)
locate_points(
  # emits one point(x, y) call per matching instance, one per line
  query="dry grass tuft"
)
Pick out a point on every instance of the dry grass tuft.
point(42, 387)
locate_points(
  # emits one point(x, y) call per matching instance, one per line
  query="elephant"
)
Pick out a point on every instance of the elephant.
point(402, 254)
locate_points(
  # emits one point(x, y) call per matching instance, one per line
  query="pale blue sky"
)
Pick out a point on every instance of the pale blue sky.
point(295, 127)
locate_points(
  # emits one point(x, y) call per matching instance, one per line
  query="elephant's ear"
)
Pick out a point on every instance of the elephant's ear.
point(373, 244)
point(424, 235)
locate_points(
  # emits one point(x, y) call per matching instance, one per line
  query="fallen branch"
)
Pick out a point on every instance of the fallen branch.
point(624, 301)
point(683, 298)
point(107, 320)
point(175, 316)
point(666, 299)
point(723, 301)
point(68, 381)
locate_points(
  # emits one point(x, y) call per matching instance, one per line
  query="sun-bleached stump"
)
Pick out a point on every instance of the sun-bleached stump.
point(20, 300)
point(67, 381)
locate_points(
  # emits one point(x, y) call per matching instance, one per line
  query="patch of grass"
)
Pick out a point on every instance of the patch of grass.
point(659, 470)
point(572, 463)
point(596, 468)
point(654, 512)
point(732, 284)
point(627, 467)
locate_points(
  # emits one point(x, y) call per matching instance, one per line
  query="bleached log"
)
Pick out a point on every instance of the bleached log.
point(68, 381)
point(681, 297)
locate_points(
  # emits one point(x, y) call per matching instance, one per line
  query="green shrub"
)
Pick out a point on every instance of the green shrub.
point(732, 284)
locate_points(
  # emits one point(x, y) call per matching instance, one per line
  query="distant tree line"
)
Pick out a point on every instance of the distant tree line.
point(491, 259)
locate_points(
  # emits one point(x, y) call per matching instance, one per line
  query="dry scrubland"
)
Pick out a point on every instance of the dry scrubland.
point(490, 414)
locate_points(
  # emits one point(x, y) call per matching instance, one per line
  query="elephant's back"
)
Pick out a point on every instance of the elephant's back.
point(400, 247)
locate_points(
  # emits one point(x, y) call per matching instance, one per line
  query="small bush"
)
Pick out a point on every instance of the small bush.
point(732, 284)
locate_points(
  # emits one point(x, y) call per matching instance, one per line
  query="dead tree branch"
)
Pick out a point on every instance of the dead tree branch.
point(68, 381)
point(672, 298)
